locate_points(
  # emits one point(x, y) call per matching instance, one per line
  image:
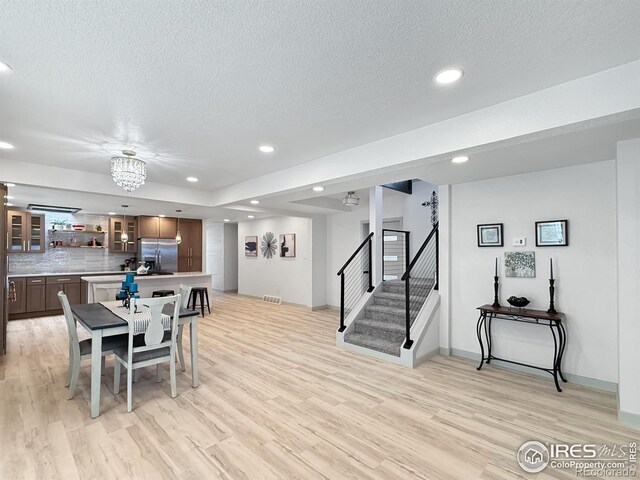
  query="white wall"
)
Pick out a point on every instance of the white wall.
point(214, 248)
point(230, 257)
point(585, 270)
point(344, 230)
point(289, 278)
point(628, 179)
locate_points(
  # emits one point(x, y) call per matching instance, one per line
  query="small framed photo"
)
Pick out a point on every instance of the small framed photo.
point(554, 233)
point(490, 235)
point(251, 246)
point(288, 245)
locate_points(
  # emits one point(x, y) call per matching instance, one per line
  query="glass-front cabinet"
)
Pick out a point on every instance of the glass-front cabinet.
point(116, 227)
point(26, 232)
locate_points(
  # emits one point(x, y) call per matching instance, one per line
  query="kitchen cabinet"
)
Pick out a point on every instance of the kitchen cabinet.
point(20, 305)
point(157, 227)
point(116, 226)
point(36, 294)
point(25, 232)
point(69, 284)
point(190, 250)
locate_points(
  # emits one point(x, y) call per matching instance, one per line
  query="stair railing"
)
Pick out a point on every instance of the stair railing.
point(391, 249)
point(424, 271)
point(353, 282)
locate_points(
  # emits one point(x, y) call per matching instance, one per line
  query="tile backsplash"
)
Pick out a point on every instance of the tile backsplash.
point(63, 260)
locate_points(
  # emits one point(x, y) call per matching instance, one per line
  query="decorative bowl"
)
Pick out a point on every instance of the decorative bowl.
point(78, 227)
point(519, 302)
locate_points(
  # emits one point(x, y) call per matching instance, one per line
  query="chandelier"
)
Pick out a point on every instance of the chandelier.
point(128, 172)
point(351, 200)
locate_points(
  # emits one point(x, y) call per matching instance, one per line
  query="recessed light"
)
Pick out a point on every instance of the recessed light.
point(254, 202)
point(111, 213)
point(4, 67)
point(8, 197)
point(11, 184)
point(449, 75)
point(162, 216)
point(251, 216)
point(318, 188)
point(227, 220)
point(266, 148)
point(192, 179)
point(9, 204)
point(460, 159)
point(6, 146)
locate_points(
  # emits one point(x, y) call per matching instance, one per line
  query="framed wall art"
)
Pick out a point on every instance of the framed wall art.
point(553, 233)
point(520, 264)
point(251, 246)
point(287, 245)
point(490, 235)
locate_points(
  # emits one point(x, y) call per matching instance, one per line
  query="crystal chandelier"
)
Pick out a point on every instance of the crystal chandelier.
point(128, 172)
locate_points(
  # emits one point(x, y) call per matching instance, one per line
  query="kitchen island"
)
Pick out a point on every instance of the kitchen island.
point(146, 283)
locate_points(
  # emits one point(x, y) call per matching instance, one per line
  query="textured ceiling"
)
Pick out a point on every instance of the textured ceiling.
point(196, 86)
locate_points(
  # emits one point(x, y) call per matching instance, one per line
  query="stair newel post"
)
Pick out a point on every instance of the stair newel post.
point(437, 258)
point(407, 296)
point(370, 289)
point(342, 327)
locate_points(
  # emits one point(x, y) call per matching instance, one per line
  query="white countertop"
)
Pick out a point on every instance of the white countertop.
point(50, 274)
point(143, 278)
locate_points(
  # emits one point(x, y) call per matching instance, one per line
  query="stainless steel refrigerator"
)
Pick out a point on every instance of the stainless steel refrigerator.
point(159, 253)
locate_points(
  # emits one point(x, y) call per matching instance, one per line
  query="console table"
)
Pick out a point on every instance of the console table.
point(555, 322)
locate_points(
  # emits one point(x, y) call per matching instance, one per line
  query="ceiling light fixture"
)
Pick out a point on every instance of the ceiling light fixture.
point(128, 172)
point(9, 204)
point(111, 213)
point(6, 146)
point(8, 197)
point(124, 236)
point(251, 216)
point(192, 179)
point(162, 216)
point(351, 200)
point(450, 75)
point(178, 236)
point(11, 185)
point(318, 188)
point(254, 202)
point(227, 220)
point(460, 159)
point(266, 148)
point(4, 67)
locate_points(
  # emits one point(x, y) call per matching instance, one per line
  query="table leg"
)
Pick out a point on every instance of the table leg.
point(481, 320)
point(193, 331)
point(563, 343)
point(556, 354)
point(96, 371)
point(487, 333)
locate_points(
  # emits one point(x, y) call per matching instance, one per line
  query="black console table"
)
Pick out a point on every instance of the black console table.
point(555, 322)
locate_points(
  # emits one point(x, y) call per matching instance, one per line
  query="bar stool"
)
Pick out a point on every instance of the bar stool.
point(162, 293)
point(203, 292)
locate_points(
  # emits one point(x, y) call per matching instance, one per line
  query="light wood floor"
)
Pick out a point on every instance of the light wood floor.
point(278, 400)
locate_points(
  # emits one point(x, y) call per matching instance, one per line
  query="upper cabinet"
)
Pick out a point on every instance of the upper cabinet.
point(157, 227)
point(25, 232)
point(116, 227)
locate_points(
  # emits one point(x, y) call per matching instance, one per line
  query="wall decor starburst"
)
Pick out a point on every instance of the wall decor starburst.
point(268, 245)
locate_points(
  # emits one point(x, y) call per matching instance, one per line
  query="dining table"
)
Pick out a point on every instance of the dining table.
point(102, 322)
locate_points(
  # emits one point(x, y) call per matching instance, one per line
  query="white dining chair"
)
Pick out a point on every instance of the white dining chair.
point(185, 292)
point(81, 350)
point(152, 349)
point(105, 291)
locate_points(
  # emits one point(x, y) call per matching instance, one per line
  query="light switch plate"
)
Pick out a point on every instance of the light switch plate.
point(519, 241)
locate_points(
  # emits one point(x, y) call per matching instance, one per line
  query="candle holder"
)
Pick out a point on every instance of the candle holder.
point(552, 291)
point(496, 303)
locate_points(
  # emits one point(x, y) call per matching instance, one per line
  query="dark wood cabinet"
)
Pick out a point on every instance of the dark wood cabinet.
point(36, 298)
point(190, 250)
point(116, 226)
point(157, 227)
point(26, 232)
point(20, 305)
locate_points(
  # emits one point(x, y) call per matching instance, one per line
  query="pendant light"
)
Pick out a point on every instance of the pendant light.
point(178, 236)
point(124, 236)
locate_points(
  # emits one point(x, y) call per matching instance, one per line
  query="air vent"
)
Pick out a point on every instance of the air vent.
point(52, 208)
point(270, 299)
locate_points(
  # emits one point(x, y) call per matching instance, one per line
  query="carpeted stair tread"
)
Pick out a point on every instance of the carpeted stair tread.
point(385, 309)
point(401, 297)
point(373, 343)
point(381, 325)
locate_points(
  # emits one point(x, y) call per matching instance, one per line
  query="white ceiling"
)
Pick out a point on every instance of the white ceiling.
point(196, 86)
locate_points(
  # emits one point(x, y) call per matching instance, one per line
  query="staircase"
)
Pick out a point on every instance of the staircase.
point(383, 326)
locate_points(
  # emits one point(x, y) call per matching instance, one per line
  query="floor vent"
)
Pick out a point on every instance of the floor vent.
point(270, 299)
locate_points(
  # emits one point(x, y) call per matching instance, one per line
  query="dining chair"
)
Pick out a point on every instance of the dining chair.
point(185, 292)
point(81, 350)
point(150, 348)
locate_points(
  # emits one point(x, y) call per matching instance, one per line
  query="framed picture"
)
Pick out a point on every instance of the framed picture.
point(288, 245)
point(251, 246)
point(490, 235)
point(554, 233)
point(520, 264)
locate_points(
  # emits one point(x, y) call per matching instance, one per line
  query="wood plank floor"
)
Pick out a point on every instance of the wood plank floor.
point(279, 400)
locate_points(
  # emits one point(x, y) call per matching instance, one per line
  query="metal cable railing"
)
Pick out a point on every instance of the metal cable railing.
point(356, 278)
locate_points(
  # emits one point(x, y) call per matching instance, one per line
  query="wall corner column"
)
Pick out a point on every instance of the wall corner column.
point(375, 226)
point(444, 274)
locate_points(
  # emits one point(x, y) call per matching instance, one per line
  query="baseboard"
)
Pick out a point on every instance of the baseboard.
point(577, 379)
point(231, 290)
point(325, 307)
point(629, 419)
point(445, 351)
